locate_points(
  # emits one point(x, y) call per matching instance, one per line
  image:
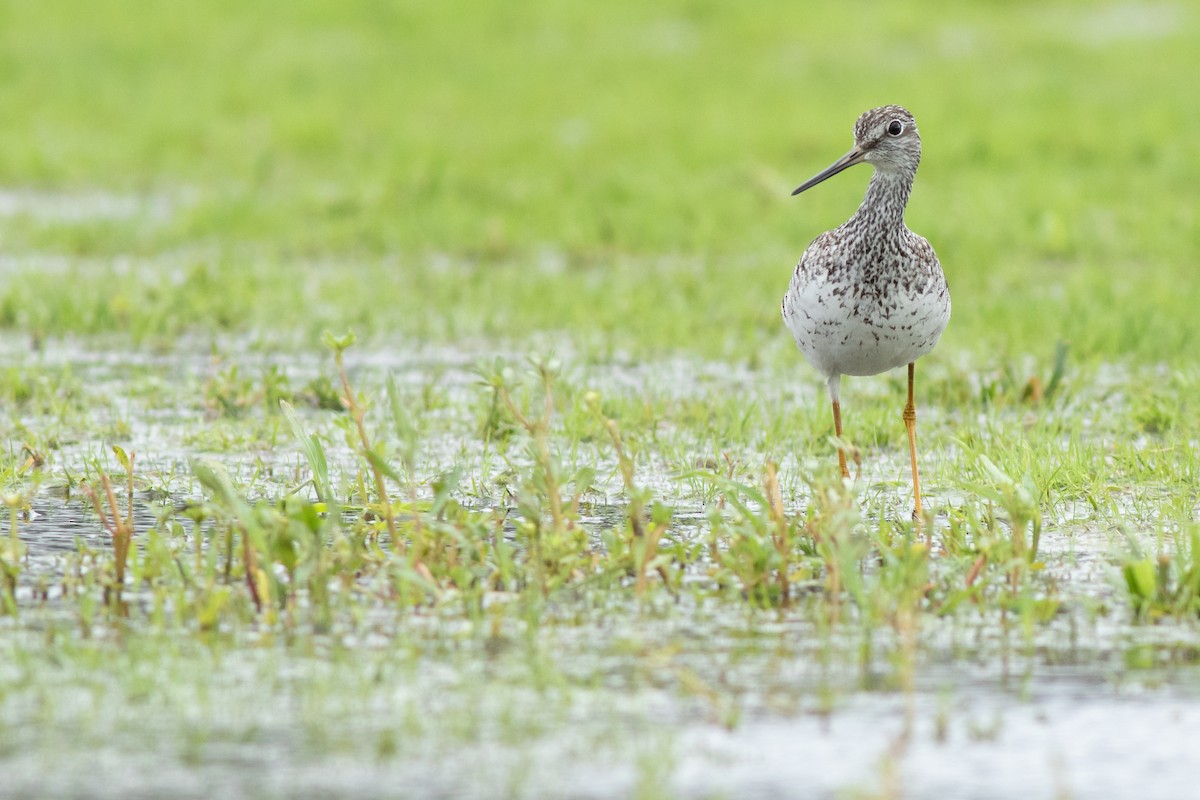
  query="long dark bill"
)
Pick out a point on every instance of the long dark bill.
point(855, 156)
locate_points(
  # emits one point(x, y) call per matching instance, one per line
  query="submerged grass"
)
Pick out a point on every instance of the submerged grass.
point(572, 533)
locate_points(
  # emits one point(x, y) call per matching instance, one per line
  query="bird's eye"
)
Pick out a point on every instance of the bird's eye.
point(896, 128)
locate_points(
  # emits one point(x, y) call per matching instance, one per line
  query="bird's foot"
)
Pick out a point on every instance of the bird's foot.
point(845, 449)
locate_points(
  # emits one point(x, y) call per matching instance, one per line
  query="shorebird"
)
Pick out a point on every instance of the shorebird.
point(869, 295)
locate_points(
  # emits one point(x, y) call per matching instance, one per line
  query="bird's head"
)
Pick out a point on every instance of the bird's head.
point(885, 137)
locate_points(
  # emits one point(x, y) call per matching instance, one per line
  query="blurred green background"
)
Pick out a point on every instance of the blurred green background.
point(618, 172)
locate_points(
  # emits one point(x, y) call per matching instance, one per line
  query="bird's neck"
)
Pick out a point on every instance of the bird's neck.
point(883, 206)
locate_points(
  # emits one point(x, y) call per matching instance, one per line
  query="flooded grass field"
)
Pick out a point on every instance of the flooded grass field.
point(564, 518)
point(656, 640)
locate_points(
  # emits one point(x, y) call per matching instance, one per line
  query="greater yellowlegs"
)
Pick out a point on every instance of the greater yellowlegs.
point(869, 295)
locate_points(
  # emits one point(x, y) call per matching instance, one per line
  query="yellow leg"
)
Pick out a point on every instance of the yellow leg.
point(910, 422)
point(837, 429)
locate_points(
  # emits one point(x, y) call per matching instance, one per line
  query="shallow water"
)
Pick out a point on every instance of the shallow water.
point(460, 730)
point(993, 715)
point(690, 698)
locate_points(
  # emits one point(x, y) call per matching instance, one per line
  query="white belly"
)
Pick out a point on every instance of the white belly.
point(842, 332)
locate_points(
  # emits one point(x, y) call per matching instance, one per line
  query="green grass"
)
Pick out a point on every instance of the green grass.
point(191, 194)
point(463, 170)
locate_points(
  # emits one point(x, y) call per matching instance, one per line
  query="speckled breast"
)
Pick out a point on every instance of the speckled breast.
point(864, 328)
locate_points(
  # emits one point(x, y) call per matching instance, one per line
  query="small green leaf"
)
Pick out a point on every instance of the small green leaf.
point(338, 343)
point(1140, 579)
point(122, 457)
point(381, 464)
point(314, 452)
